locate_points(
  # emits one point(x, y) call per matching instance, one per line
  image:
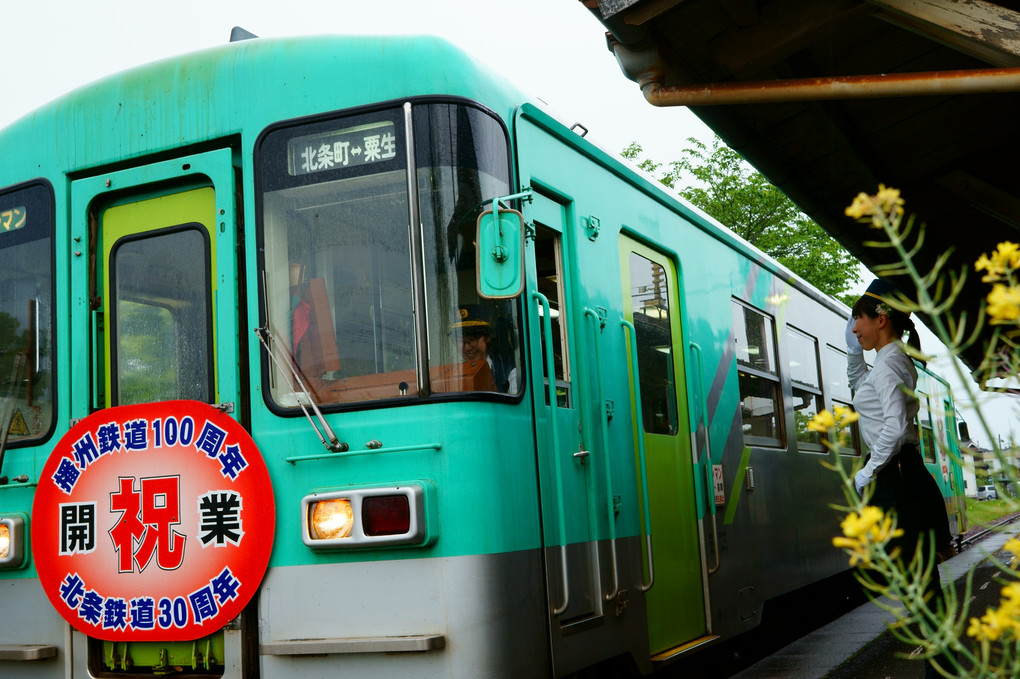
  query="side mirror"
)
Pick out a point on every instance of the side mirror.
point(500, 255)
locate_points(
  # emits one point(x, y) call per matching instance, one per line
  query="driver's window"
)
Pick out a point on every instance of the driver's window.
point(339, 218)
point(27, 382)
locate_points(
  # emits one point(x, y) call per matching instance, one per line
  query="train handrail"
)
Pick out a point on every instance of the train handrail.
point(94, 323)
point(550, 371)
point(708, 453)
point(639, 432)
point(604, 420)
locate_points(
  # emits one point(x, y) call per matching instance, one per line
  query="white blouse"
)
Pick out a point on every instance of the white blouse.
point(886, 411)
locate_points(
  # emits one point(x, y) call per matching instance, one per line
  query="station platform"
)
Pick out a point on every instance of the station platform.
point(859, 645)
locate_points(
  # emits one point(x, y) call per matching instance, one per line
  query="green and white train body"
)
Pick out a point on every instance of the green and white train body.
point(629, 479)
point(940, 446)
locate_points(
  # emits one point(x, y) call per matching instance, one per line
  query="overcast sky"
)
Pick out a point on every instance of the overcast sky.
point(553, 49)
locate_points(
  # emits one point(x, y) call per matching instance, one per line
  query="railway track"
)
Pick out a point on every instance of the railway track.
point(972, 537)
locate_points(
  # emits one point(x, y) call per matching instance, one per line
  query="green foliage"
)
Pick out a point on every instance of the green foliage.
point(721, 183)
point(987, 512)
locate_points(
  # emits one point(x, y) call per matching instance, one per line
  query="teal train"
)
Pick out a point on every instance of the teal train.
point(524, 413)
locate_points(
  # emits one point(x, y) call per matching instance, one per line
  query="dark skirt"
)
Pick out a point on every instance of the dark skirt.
point(906, 486)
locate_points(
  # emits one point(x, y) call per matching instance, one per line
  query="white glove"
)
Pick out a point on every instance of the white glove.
point(861, 479)
point(853, 345)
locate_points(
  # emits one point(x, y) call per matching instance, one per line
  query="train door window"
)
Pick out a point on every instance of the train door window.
point(549, 266)
point(161, 318)
point(838, 390)
point(26, 314)
point(650, 302)
point(757, 371)
point(927, 434)
point(806, 385)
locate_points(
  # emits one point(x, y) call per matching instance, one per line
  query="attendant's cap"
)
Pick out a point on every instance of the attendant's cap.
point(881, 290)
point(471, 316)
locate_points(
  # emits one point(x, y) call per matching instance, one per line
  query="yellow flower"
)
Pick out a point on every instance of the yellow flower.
point(845, 416)
point(857, 525)
point(1004, 620)
point(888, 200)
point(822, 422)
point(1011, 597)
point(861, 207)
point(1004, 304)
point(858, 549)
point(987, 628)
point(1002, 262)
point(884, 531)
point(883, 205)
point(863, 532)
point(990, 627)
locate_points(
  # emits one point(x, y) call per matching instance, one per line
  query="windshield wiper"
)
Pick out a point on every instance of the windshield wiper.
point(333, 444)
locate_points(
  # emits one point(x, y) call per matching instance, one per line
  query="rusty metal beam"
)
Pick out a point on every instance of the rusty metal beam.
point(936, 83)
point(985, 30)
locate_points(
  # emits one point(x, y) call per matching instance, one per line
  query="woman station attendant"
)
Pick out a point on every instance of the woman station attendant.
point(884, 399)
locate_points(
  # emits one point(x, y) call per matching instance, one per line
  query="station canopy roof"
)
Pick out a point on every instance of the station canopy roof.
point(829, 99)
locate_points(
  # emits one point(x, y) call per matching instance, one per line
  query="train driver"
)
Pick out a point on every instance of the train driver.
point(472, 332)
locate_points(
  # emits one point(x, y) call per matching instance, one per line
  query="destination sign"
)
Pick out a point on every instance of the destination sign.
point(14, 218)
point(351, 147)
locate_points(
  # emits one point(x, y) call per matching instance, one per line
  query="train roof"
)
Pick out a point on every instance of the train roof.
point(200, 97)
point(204, 95)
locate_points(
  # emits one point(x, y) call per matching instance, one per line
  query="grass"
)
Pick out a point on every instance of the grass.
point(988, 511)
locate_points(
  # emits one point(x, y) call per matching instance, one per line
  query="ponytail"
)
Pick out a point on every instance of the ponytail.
point(913, 338)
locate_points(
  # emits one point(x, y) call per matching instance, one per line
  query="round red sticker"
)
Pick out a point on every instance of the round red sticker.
point(153, 522)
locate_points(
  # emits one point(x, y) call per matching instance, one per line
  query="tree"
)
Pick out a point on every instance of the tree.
point(726, 187)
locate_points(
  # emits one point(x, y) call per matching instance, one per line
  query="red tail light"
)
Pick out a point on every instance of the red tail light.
point(386, 515)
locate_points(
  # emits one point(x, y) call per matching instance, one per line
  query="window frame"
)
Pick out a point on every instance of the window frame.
point(779, 412)
point(421, 331)
point(49, 337)
point(560, 324)
point(843, 398)
point(114, 397)
point(814, 442)
point(669, 388)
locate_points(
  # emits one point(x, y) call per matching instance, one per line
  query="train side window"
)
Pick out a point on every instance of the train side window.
point(757, 371)
point(649, 290)
point(26, 313)
point(853, 446)
point(549, 265)
point(838, 389)
point(803, 364)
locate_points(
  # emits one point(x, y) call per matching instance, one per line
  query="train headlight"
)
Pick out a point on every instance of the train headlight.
point(12, 541)
point(363, 516)
point(331, 519)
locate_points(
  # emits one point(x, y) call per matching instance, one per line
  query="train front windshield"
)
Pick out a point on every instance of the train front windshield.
point(26, 314)
point(339, 255)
